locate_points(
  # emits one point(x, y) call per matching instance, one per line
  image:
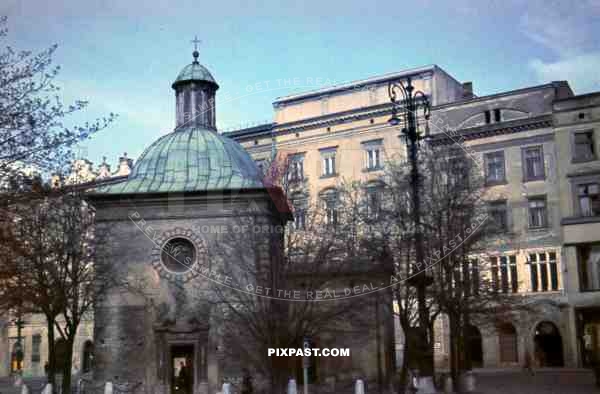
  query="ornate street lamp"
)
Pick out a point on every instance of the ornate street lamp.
point(406, 106)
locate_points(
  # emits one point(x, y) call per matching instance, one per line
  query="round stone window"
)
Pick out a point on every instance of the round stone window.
point(178, 255)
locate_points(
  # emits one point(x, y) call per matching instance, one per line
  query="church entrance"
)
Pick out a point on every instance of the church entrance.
point(182, 369)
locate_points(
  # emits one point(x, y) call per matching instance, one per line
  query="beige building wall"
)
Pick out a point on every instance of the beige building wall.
point(344, 120)
point(35, 326)
point(574, 118)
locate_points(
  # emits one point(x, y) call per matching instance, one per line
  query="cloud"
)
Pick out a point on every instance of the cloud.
point(565, 28)
point(581, 71)
point(569, 30)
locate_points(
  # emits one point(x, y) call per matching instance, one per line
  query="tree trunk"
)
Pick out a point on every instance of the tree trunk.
point(66, 379)
point(51, 370)
point(466, 338)
point(404, 371)
point(454, 352)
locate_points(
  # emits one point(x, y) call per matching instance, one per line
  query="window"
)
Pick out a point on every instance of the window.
point(589, 199)
point(497, 115)
point(537, 213)
point(296, 168)
point(499, 215)
point(466, 277)
point(328, 162)
point(543, 271)
point(533, 163)
point(488, 117)
point(494, 168)
point(504, 274)
point(36, 342)
point(373, 158)
point(299, 203)
point(373, 203)
point(588, 261)
point(329, 165)
point(330, 200)
point(458, 173)
point(583, 146)
point(373, 154)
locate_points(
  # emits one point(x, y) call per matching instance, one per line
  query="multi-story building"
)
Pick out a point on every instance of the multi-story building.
point(341, 133)
point(577, 127)
point(512, 134)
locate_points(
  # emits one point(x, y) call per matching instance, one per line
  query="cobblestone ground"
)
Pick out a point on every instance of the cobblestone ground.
point(546, 381)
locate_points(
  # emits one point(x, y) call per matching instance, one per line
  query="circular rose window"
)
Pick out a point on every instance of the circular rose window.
point(178, 255)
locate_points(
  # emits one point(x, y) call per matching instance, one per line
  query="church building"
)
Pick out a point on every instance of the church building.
point(159, 223)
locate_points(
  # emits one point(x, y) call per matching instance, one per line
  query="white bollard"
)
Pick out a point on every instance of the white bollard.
point(292, 389)
point(359, 387)
point(468, 381)
point(24, 389)
point(226, 389)
point(18, 381)
point(108, 388)
point(448, 384)
point(425, 385)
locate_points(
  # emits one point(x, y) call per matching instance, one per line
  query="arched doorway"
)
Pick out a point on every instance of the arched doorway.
point(548, 345)
point(507, 336)
point(88, 356)
point(475, 347)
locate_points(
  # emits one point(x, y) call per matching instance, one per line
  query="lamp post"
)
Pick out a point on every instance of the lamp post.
point(406, 104)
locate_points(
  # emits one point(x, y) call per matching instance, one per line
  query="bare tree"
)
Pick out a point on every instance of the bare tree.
point(51, 242)
point(296, 281)
point(455, 230)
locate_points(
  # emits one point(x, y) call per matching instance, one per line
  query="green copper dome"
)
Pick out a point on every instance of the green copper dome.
point(190, 159)
point(194, 72)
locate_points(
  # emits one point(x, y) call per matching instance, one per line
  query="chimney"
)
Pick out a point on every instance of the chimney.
point(468, 90)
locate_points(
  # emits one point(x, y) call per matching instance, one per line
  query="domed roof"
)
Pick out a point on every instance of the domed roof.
point(190, 159)
point(194, 72)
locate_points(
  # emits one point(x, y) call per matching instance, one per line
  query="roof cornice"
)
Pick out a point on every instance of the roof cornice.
point(510, 127)
point(351, 85)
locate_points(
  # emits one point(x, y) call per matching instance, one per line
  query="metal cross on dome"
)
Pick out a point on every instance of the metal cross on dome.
point(196, 41)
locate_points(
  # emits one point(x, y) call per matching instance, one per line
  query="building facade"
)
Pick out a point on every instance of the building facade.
point(340, 134)
point(577, 124)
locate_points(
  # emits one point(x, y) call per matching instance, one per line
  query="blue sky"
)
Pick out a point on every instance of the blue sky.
point(122, 56)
